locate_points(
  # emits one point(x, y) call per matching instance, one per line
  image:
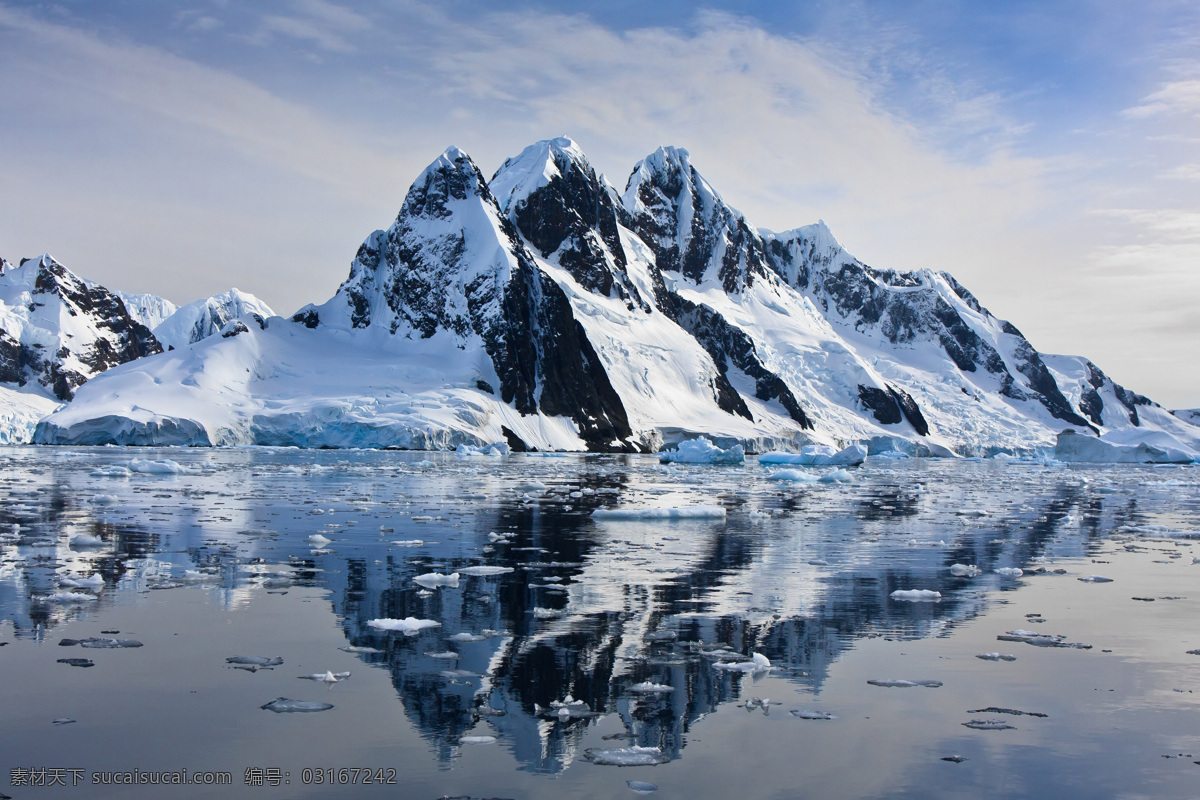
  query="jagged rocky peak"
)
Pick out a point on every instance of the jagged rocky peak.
point(452, 264)
point(442, 264)
point(60, 330)
point(148, 309)
point(688, 226)
point(567, 214)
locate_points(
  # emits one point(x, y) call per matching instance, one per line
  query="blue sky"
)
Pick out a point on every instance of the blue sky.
point(1047, 154)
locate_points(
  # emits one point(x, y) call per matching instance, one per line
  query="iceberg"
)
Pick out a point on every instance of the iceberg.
point(408, 626)
point(818, 455)
point(1074, 446)
point(702, 451)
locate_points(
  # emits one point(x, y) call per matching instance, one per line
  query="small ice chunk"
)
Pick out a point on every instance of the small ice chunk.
point(257, 661)
point(360, 650)
point(903, 684)
point(62, 721)
point(409, 542)
point(803, 713)
point(793, 475)
point(466, 637)
point(317, 540)
point(1096, 579)
point(917, 595)
point(627, 757)
point(1009, 572)
point(996, 657)
point(327, 676)
point(476, 739)
point(161, 467)
point(654, 514)
point(989, 725)
point(837, 476)
point(408, 626)
point(432, 580)
point(548, 613)
point(965, 570)
point(113, 471)
point(284, 705)
point(72, 597)
point(77, 662)
point(648, 687)
point(485, 570)
point(641, 787)
point(105, 643)
point(86, 540)
point(104, 499)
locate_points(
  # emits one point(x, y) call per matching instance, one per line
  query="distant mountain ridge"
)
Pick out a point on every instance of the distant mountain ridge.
point(547, 308)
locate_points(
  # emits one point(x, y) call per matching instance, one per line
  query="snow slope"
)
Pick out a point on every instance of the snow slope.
point(548, 309)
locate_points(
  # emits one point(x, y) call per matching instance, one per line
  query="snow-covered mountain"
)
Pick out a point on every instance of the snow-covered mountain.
point(547, 308)
point(58, 330)
point(189, 324)
point(148, 309)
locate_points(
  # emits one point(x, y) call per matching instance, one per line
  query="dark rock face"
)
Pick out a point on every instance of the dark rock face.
point(574, 219)
point(687, 225)
point(892, 405)
point(119, 337)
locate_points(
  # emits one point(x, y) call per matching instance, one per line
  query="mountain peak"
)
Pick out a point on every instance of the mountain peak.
point(536, 166)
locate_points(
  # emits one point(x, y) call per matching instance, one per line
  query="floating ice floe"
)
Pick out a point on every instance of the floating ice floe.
point(759, 663)
point(627, 757)
point(702, 451)
point(284, 705)
point(106, 643)
point(803, 713)
point(641, 787)
point(163, 466)
point(893, 683)
point(87, 540)
point(996, 657)
point(256, 661)
point(1041, 640)
point(917, 595)
point(989, 725)
point(408, 626)
point(1012, 711)
point(485, 570)
point(104, 499)
point(569, 708)
point(965, 570)
point(113, 471)
point(476, 739)
point(837, 476)
point(72, 597)
point(360, 650)
point(682, 512)
point(94, 582)
point(77, 662)
point(1009, 572)
point(793, 475)
point(818, 455)
point(432, 580)
point(1096, 579)
point(326, 677)
point(408, 542)
point(651, 688)
point(317, 540)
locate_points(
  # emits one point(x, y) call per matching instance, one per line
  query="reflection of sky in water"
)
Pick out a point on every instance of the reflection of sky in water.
point(215, 560)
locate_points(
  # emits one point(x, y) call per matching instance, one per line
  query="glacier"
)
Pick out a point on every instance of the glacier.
point(545, 309)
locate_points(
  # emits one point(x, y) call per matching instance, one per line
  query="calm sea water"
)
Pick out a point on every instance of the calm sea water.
point(590, 638)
